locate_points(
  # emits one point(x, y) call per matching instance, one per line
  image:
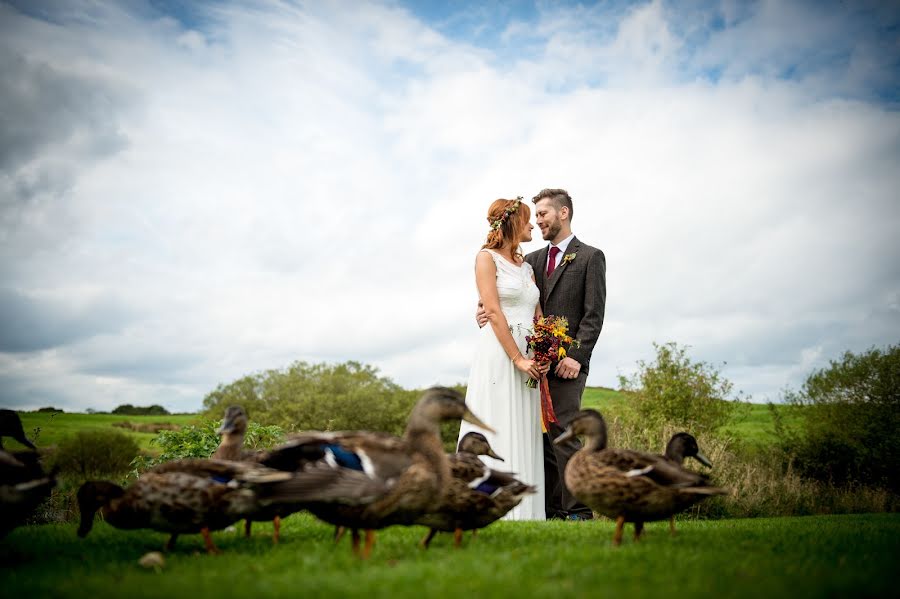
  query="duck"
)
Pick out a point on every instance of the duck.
point(626, 485)
point(231, 447)
point(193, 496)
point(476, 495)
point(11, 426)
point(406, 475)
point(23, 483)
point(680, 446)
point(23, 487)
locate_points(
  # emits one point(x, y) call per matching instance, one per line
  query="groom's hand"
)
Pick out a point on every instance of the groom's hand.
point(568, 368)
point(481, 315)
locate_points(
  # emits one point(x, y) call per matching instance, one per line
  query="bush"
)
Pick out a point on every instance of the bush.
point(130, 410)
point(675, 391)
point(318, 397)
point(50, 409)
point(200, 441)
point(850, 415)
point(95, 454)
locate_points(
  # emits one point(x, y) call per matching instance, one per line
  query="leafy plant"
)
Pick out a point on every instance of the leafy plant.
point(95, 453)
point(200, 441)
point(850, 415)
point(677, 391)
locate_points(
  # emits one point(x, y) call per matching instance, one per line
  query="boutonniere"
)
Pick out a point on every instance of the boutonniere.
point(568, 258)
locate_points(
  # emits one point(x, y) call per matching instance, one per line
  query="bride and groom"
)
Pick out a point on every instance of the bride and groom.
point(566, 278)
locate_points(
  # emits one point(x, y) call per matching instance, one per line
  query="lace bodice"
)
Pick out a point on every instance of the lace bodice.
point(518, 293)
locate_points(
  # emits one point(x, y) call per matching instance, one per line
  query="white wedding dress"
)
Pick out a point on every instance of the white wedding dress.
point(498, 395)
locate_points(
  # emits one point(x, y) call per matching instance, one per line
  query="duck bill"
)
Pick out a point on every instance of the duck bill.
point(568, 434)
point(227, 427)
point(491, 453)
point(703, 460)
point(473, 419)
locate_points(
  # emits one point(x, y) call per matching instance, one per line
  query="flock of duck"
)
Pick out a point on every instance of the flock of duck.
point(364, 481)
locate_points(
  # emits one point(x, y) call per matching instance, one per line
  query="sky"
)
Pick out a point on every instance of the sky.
point(196, 191)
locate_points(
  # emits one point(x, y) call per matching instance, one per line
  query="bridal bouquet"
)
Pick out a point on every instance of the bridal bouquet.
point(548, 343)
point(549, 340)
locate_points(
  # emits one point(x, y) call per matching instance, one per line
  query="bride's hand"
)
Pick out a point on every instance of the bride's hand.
point(529, 367)
point(544, 368)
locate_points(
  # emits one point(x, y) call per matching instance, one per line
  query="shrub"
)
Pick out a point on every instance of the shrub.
point(130, 410)
point(850, 415)
point(95, 454)
point(200, 441)
point(49, 409)
point(673, 390)
point(305, 396)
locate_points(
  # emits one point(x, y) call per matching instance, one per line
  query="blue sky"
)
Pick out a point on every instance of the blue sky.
point(192, 192)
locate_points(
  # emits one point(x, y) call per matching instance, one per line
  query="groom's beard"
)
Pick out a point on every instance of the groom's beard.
point(552, 231)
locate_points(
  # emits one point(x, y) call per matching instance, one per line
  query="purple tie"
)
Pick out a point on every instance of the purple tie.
point(551, 264)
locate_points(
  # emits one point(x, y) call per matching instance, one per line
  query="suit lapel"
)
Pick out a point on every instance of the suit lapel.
point(540, 268)
point(557, 274)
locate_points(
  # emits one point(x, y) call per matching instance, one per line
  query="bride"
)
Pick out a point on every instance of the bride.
point(500, 369)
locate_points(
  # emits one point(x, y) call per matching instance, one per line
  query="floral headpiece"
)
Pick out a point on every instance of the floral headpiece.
point(505, 216)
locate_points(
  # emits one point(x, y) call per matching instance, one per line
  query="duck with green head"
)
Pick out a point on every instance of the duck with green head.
point(625, 485)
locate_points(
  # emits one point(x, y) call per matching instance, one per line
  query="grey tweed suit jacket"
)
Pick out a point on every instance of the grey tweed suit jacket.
point(576, 290)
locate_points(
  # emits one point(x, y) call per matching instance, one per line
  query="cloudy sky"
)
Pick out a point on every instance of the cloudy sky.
point(195, 191)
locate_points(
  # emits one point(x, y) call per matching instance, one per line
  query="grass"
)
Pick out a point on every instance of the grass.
point(778, 557)
point(48, 429)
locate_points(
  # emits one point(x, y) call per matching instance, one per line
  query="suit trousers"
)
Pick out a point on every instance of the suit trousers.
point(566, 395)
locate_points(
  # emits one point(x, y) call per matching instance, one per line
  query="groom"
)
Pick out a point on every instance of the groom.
point(572, 278)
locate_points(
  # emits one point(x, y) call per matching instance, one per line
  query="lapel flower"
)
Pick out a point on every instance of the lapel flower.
point(568, 258)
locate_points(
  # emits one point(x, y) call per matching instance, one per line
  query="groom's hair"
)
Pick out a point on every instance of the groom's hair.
point(559, 197)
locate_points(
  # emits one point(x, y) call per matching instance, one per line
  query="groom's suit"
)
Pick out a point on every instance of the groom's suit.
point(576, 290)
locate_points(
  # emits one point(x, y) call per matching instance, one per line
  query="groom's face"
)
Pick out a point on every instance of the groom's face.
point(547, 219)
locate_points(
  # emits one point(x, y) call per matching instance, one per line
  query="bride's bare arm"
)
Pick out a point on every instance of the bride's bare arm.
point(486, 280)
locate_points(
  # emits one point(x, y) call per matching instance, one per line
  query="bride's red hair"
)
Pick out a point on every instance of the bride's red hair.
point(511, 227)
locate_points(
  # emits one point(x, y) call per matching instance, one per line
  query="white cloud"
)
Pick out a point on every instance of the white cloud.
point(290, 182)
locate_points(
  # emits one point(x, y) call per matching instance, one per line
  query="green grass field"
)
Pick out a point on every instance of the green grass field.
point(823, 556)
point(48, 429)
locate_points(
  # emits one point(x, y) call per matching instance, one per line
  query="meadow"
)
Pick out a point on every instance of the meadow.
point(820, 556)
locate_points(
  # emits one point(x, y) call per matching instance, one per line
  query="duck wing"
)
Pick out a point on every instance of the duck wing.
point(655, 467)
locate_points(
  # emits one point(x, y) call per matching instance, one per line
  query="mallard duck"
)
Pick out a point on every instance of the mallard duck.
point(679, 447)
point(629, 486)
point(11, 426)
point(476, 495)
point(198, 496)
point(23, 486)
point(232, 431)
point(406, 475)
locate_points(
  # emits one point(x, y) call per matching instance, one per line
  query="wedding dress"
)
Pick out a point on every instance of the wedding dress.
point(498, 395)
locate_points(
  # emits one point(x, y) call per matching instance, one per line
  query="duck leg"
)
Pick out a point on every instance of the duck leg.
point(276, 522)
point(339, 533)
point(370, 542)
point(247, 525)
point(638, 530)
point(620, 525)
point(354, 536)
point(457, 537)
point(672, 525)
point(425, 542)
point(210, 546)
point(170, 544)
point(474, 532)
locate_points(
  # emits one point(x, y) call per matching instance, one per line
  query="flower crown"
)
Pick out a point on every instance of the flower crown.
point(505, 216)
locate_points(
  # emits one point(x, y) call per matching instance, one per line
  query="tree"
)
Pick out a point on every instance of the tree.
point(677, 391)
point(850, 415)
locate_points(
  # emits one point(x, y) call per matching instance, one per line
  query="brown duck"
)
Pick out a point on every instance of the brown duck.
point(198, 496)
point(476, 495)
point(405, 475)
point(679, 447)
point(628, 486)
